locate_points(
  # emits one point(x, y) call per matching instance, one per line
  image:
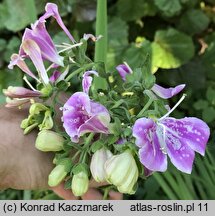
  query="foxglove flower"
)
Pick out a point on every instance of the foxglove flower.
point(41, 37)
point(19, 61)
point(33, 51)
point(52, 11)
point(166, 93)
point(20, 92)
point(124, 70)
point(82, 115)
point(16, 102)
point(161, 92)
point(87, 80)
point(177, 138)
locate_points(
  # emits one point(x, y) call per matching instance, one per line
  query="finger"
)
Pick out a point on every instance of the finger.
point(92, 194)
point(95, 184)
point(115, 195)
point(63, 193)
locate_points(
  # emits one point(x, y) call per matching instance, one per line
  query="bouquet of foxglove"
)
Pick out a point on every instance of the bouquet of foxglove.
point(114, 127)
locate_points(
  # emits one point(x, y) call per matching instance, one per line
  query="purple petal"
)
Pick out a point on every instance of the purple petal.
point(16, 102)
point(55, 76)
point(94, 124)
point(79, 101)
point(40, 35)
point(72, 122)
point(33, 51)
point(150, 154)
point(167, 92)
point(182, 158)
point(87, 80)
point(20, 92)
point(192, 131)
point(19, 61)
point(123, 70)
point(81, 115)
point(52, 10)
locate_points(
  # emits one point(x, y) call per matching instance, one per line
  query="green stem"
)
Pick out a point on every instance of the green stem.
point(27, 195)
point(148, 104)
point(88, 66)
point(101, 29)
point(171, 195)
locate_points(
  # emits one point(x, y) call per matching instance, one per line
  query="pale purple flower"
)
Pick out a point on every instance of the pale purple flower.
point(54, 77)
point(87, 80)
point(161, 92)
point(39, 34)
point(20, 92)
point(19, 61)
point(31, 48)
point(124, 70)
point(16, 102)
point(52, 11)
point(167, 92)
point(82, 115)
point(177, 138)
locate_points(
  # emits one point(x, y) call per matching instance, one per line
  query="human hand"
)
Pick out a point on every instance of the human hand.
point(22, 166)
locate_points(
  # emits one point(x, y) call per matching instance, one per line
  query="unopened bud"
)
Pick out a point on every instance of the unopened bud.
point(121, 171)
point(57, 175)
point(97, 164)
point(80, 183)
point(49, 141)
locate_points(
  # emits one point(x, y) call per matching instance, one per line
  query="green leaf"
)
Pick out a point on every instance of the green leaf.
point(136, 55)
point(21, 14)
point(210, 94)
point(193, 22)
point(171, 49)
point(118, 41)
point(148, 78)
point(81, 167)
point(9, 78)
point(12, 47)
point(96, 146)
point(208, 114)
point(3, 14)
point(117, 32)
point(168, 8)
point(200, 104)
point(132, 10)
point(2, 44)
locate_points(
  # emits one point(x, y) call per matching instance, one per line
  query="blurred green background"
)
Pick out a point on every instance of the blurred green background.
point(180, 37)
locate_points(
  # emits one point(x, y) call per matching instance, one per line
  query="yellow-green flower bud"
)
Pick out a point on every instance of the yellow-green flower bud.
point(47, 90)
point(36, 108)
point(47, 121)
point(121, 171)
point(80, 183)
point(49, 141)
point(97, 164)
point(57, 175)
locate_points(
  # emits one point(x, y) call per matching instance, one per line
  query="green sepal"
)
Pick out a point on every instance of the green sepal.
point(81, 167)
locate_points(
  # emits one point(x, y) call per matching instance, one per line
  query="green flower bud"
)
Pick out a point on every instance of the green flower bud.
point(49, 141)
point(80, 183)
point(36, 108)
point(47, 121)
point(57, 175)
point(121, 171)
point(46, 91)
point(97, 164)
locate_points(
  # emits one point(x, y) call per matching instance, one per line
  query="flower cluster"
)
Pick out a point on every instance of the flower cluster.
point(112, 129)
